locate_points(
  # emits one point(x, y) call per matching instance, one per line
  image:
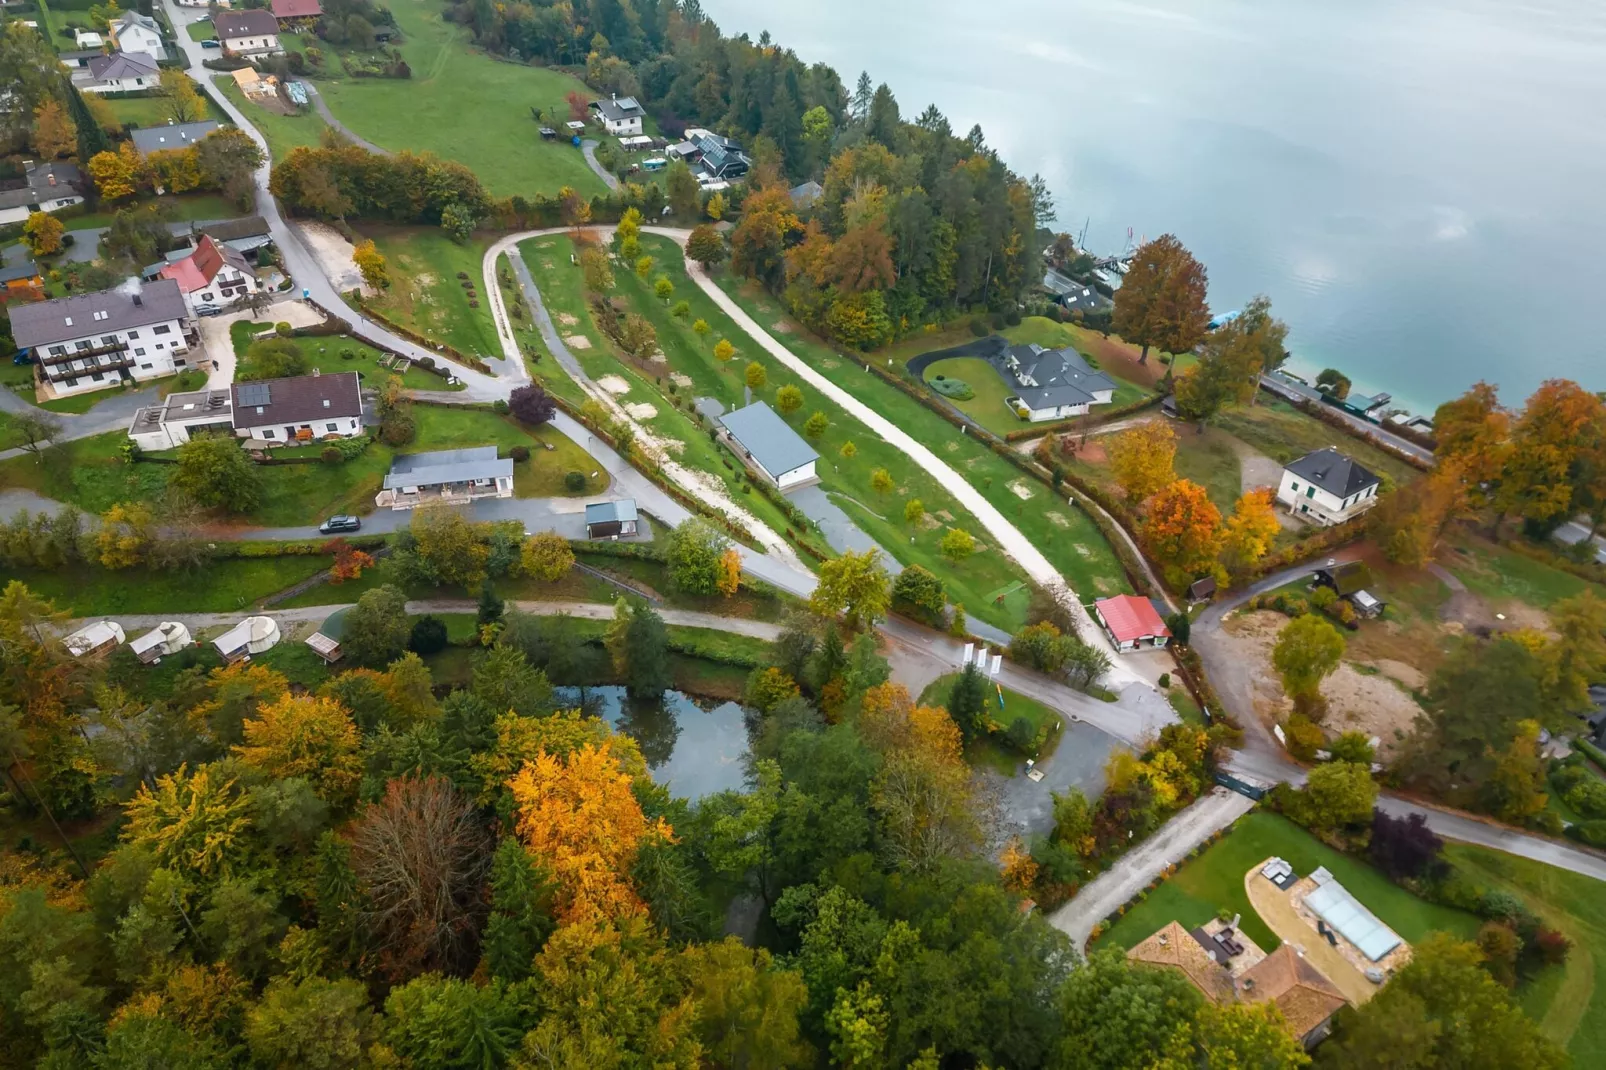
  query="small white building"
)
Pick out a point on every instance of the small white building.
point(134, 32)
point(777, 451)
point(120, 72)
point(253, 635)
point(298, 408)
point(95, 639)
point(88, 39)
point(248, 33)
point(168, 637)
point(620, 116)
point(97, 340)
point(170, 423)
point(51, 187)
point(1326, 487)
point(213, 275)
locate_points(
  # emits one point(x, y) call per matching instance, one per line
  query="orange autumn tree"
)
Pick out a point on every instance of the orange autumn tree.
point(1558, 423)
point(922, 795)
point(1183, 532)
point(307, 736)
point(729, 579)
point(1250, 529)
point(579, 817)
point(1475, 430)
point(349, 561)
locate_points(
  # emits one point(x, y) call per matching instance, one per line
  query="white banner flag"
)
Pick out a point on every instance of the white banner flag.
point(970, 652)
point(998, 661)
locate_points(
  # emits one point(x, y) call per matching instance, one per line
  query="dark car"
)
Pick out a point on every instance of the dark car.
point(212, 42)
point(340, 523)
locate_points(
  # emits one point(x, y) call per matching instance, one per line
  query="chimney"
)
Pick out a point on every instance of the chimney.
point(139, 302)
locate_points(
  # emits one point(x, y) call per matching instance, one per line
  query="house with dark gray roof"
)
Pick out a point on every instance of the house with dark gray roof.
point(47, 187)
point(149, 139)
point(98, 340)
point(1326, 487)
point(452, 477)
point(298, 408)
point(1051, 384)
point(120, 72)
point(720, 159)
point(763, 439)
point(248, 32)
point(620, 116)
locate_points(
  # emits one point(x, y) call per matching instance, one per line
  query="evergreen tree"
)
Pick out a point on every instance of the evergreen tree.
point(647, 645)
point(521, 913)
point(967, 703)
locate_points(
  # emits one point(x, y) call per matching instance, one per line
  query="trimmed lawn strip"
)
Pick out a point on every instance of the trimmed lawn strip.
point(1568, 1001)
point(425, 293)
point(203, 31)
point(326, 353)
point(1062, 533)
point(221, 586)
point(283, 132)
point(151, 111)
point(987, 406)
point(1214, 882)
point(79, 403)
point(463, 105)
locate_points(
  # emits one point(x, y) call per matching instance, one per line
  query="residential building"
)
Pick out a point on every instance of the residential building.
point(168, 637)
point(1131, 622)
point(213, 274)
point(23, 275)
point(120, 72)
point(93, 640)
point(450, 476)
point(149, 139)
point(1071, 295)
point(1052, 384)
point(720, 159)
point(1326, 487)
point(133, 32)
point(779, 453)
point(804, 196)
point(75, 59)
point(248, 33)
point(253, 635)
point(1304, 995)
point(97, 340)
point(620, 115)
point(48, 187)
point(612, 520)
point(170, 423)
point(298, 408)
point(244, 235)
point(293, 13)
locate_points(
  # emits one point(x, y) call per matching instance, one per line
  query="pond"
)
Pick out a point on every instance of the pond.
point(691, 750)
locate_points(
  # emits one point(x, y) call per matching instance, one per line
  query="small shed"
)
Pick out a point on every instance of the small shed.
point(1345, 579)
point(1202, 590)
point(325, 642)
point(611, 520)
point(548, 134)
point(575, 125)
point(635, 143)
point(168, 637)
point(93, 640)
point(1367, 604)
point(253, 635)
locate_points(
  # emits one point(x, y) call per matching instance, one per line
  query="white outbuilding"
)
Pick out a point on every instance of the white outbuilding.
point(168, 637)
point(95, 639)
point(253, 635)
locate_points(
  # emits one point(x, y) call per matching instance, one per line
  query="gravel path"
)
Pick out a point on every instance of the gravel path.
point(589, 148)
point(329, 117)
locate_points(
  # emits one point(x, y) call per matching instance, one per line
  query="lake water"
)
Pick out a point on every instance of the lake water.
point(691, 750)
point(1418, 185)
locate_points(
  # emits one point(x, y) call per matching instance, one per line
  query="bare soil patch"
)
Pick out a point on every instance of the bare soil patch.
point(333, 253)
point(568, 320)
point(577, 341)
point(613, 384)
point(781, 327)
point(1020, 490)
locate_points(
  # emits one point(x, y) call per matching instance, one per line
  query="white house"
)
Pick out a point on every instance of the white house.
point(168, 637)
point(1052, 384)
point(620, 116)
point(120, 72)
point(97, 340)
point(778, 452)
point(253, 635)
point(134, 32)
point(299, 408)
point(95, 639)
point(170, 423)
point(50, 188)
point(451, 476)
point(248, 33)
point(212, 275)
point(1327, 487)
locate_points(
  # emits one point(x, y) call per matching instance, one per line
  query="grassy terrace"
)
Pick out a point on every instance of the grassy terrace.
point(1069, 540)
point(1215, 881)
point(463, 105)
point(284, 132)
point(425, 293)
point(153, 110)
point(1497, 573)
point(562, 290)
point(222, 586)
point(327, 354)
point(1284, 434)
point(90, 474)
point(181, 206)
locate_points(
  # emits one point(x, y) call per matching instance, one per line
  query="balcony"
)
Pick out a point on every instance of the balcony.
point(46, 357)
point(61, 373)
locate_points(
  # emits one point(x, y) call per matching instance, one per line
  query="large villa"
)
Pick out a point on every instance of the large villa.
point(1051, 384)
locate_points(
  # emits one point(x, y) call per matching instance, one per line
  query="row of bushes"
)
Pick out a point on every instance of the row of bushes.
point(294, 547)
point(1084, 423)
point(1191, 669)
point(1327, 415)
point(1323, 599)
point(1592, 571)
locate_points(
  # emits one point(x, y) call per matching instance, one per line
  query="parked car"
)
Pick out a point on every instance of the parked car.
point(209, 310)
point(340, 523)
point(211, 42)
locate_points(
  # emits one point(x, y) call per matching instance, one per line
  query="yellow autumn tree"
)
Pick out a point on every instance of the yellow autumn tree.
point(1250, 529)
point(309, 736)
point(579, 817)
point(520, 740)
point(371, 262)
point(126, 530)
point(54, 133)
point(1017, 867)
point(922, 795)
point(175, 170)
point(729, 579)
point(192, 823)
point(117, 174)
point(233, 693)
point(1143, 459)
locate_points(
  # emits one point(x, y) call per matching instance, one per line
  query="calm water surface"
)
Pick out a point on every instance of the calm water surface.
point(1417, 184)
point(691, 750)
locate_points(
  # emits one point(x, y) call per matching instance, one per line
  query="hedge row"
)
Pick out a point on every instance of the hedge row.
point(1322, 541)
point(1192, 671)
point(1084, 423)
point(294, 547)
point(1592, 571)
point(641, 551)
point(693, 647)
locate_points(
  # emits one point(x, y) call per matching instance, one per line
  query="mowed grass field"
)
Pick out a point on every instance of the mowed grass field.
point(153, 111)
point(284, 132)
point(1215, 881)
point(462, 105)
point(327, 354)
point(425, 293)
point(1285, 434)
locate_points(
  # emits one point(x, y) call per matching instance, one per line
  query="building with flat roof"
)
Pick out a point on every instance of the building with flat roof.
point(779, 453)
point(170, 423)
point(149, 139)
point(451, 477)
point(612, 520)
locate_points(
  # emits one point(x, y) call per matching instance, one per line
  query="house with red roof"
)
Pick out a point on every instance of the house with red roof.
point(213, 275)
point(1132, 622)
point(290, 13)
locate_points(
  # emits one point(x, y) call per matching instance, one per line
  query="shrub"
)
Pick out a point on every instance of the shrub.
point(428, 636)
point(531, 405)
point(348, 354)
point(1165, 681)
point(997, 321)
point(574, 482)
point(499, 406)
point(331, 455)
point(473, 304)
point(978, 327)
point(282, 329)
point(467, 285)
point(1323, 597)
point(519, 453)
point(1022, 736)
point(462, 274)
point(1013, 317)
point(427, 363)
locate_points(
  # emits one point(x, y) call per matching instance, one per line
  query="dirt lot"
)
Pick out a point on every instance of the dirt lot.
point(333, 253)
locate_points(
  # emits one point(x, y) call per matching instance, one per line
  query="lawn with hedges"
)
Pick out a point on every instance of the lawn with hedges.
point(338, 353)
point(426, 296)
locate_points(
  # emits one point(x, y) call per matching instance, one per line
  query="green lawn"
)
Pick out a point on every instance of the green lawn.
point(152, 110)
point(1495, 572)
point(284, 132)
point(462, 105)
point(1069, 540)
point(1569, 1001)
point(327, 354)
point(87, 472)
point(996, 752)
point(182, 206)
point(987, 406)
point(79, 403)
point(1284, 434)
point(202, 31)
point(1183, 703)
point(1215, 881)
point(425, 293)
point(1210, 461)
point(222, 586)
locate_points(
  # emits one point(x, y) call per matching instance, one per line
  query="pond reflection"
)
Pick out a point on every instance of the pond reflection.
point(690, 750)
